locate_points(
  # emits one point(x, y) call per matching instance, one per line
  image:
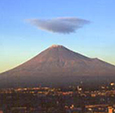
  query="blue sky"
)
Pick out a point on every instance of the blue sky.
point(20, 41)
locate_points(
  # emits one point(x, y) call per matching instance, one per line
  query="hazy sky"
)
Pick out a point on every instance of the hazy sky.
point(20, 40)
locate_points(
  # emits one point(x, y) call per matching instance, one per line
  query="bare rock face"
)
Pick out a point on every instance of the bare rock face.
point(57, 65)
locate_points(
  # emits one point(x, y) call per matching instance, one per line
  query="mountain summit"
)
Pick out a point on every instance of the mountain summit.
point(57, 65)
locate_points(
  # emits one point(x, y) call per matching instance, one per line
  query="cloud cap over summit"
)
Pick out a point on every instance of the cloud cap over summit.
point(64, 25)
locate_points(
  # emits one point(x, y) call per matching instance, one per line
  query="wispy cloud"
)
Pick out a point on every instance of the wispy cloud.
point(63, 25)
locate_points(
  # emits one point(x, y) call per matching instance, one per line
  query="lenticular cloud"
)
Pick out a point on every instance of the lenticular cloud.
point(64, 25)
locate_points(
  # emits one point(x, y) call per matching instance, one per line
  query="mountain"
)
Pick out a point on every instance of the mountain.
point(57, 65)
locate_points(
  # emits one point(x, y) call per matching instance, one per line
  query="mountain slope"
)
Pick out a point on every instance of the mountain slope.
point(56, 64)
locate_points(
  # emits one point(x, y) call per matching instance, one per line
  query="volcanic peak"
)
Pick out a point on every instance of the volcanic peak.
point(56, 46)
